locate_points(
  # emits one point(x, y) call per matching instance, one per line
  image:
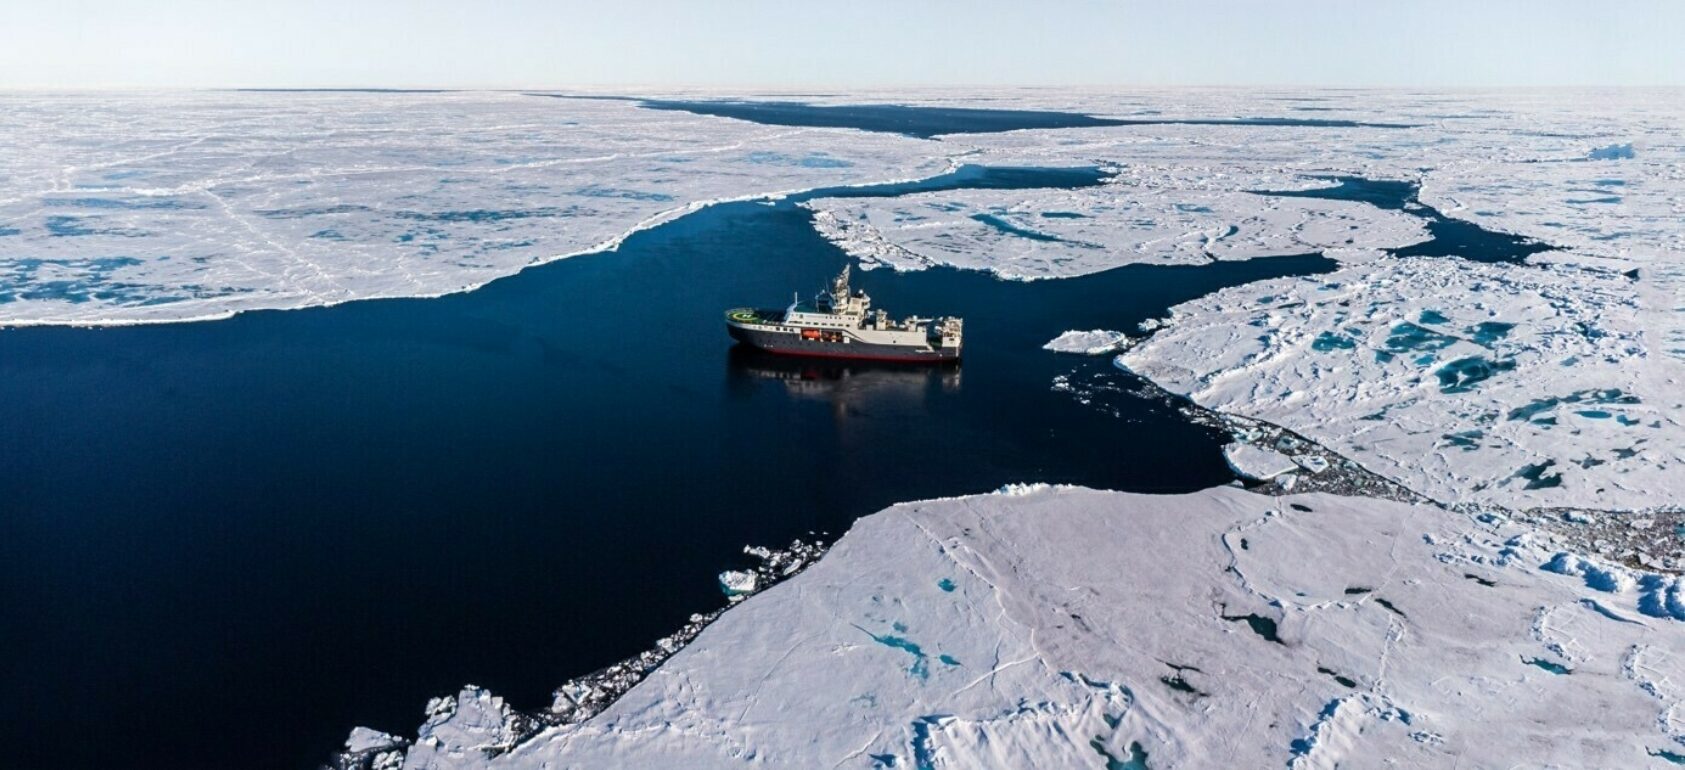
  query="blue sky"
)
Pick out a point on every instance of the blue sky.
point(862, 43)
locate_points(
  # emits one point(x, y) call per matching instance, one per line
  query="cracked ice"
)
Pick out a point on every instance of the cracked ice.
point(1085, 626)
point(155, 207)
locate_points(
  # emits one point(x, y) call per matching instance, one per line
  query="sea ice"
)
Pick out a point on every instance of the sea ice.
point(364, 739)
point(121, 208)
point(1087, 628)
point(136, 207)
point(462, 730)
point(736, 584)
point(1257, 463)
point(1595, 172)
point(1061, 233)
point(1522, 386)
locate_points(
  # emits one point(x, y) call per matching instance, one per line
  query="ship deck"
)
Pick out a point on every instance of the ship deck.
point(750, 315)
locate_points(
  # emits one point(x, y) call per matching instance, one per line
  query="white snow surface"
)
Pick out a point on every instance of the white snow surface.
point(1526, 162)
point(1058, 627)
point(1257, 463)
point(1031, 234)
point(735, 583)
point(134, 207)
point(137, 207)
point(459, 730)
point(1089, 343)
point(1383, 363)
point(365, 739)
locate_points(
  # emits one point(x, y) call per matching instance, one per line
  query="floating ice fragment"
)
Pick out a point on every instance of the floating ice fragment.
point(1257, 463)
point(365, 739)
point(737, 584)
point(1089, 343)
point(1312, 463)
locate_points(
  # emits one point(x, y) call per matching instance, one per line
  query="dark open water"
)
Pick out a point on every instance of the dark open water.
point(927, 122)
point(226, 543)
point(1449, 237)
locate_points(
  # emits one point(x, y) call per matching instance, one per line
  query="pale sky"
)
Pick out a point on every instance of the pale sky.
point(839, 43)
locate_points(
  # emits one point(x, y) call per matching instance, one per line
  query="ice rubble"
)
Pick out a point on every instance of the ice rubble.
point(1519, 386)
point(1065, 627)
point(462, 729)
point(123, 208)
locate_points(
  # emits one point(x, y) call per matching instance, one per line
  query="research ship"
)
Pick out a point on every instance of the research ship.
point(840, 323)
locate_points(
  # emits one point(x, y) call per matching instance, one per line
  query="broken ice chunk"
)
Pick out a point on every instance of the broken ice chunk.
point(1257, 463)
point(1089, 343)
point(737, 584)
point(1312, 463)
point(365, 739)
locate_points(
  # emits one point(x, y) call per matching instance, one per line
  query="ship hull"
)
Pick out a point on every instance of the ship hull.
point(791, 344)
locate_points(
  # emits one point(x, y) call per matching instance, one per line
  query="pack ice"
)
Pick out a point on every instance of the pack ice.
point(1062, 233)
point(124, 208)
point(1061, 627)
point(1520, 386)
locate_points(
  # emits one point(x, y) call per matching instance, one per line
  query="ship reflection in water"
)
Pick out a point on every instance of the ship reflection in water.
point(850, 386)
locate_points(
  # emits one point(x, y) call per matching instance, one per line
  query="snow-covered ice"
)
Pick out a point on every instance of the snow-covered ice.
point(122, 208)
point(1062, 233)
point(1089, 343)
point(1257, 463)
point(1522, 386)
point(364, 739)
point(735, 583)
point(1534, 163)
point(1064, 627)
point(118, 208)
point(462, 729)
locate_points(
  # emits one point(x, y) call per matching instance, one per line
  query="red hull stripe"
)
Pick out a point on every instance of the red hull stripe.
point(858, 357)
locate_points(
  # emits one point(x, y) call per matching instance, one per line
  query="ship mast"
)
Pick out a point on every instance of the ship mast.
point(839, 289)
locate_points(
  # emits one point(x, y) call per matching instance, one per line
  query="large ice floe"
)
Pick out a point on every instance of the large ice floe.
point(118, 208)
point(122, 208)
point(1599, 173)
point(1061, 233)
point(1520, 386)
point(1062, 627)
